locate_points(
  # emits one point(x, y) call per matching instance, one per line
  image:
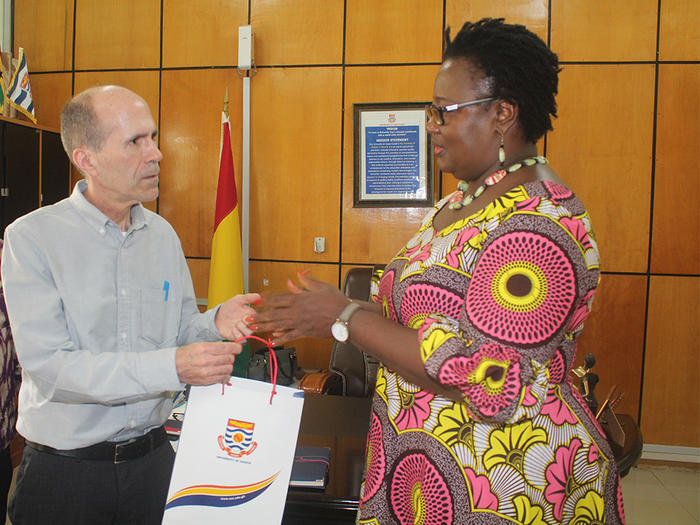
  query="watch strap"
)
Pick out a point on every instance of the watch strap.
point(349, 311)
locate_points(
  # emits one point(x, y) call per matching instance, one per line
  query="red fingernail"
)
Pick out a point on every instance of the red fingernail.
point(259, 301)
point(254, 327)
point(249, 319)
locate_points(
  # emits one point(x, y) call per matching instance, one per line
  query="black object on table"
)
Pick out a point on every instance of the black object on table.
point(339, 423)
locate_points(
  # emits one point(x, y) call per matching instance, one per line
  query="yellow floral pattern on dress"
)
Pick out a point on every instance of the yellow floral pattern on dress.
point(510, 444)
point(455, 426)
point(528, 513)
point(589, 510)
point(436, 338)
point(380, 386)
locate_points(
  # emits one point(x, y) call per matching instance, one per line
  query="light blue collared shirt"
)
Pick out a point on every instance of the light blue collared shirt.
point(97, 317)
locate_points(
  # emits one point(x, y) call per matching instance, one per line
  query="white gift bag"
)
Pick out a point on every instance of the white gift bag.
point(235, 454)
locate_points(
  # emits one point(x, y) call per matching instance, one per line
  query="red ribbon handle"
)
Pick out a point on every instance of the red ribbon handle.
point(273, 371)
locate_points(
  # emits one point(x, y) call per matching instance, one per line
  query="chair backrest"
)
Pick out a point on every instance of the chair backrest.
point(357, 369)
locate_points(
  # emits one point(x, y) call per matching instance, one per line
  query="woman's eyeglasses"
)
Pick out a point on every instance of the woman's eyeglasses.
point(437, 113)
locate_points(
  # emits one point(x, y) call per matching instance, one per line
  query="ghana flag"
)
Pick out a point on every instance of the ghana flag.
point(226, 271)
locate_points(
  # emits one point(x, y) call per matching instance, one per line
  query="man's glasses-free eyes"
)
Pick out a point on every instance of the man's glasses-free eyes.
point(437, 113)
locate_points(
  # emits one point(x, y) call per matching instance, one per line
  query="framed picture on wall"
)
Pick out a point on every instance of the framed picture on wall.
point(392, 153)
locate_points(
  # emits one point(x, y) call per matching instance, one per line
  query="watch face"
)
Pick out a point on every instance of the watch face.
point(340, 331)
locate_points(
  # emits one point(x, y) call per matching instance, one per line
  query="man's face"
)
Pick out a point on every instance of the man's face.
point(127, 166)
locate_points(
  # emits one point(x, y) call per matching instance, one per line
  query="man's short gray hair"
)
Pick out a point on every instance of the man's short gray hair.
point(80, 125)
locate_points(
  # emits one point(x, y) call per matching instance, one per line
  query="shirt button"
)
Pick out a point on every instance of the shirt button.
point(123, 335)
point(102, 231)
point(123, 291)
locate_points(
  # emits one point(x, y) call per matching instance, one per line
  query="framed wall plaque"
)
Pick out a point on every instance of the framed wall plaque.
point(392, 153)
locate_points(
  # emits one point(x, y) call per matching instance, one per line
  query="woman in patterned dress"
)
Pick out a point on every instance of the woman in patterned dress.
point(474, 419)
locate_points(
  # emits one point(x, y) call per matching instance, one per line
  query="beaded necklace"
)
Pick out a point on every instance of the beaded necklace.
point(461, 199)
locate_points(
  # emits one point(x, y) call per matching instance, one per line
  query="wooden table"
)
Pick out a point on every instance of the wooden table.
point(339, 423)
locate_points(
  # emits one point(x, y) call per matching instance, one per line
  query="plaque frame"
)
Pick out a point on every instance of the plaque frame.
point(400, 120)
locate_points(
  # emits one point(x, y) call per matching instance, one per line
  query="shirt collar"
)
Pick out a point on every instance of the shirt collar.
point(95, 217)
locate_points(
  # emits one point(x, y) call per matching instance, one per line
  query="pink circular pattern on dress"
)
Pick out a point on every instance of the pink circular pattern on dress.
point(376, 461)
point(424, 299)
point(538, 316)
point(557, 368)
point(419, 494)
point(457, 371)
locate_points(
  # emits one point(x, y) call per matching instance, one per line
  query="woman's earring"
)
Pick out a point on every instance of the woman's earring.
point(501, 153)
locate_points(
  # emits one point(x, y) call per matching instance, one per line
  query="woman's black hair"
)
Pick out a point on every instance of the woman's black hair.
point(518, 66)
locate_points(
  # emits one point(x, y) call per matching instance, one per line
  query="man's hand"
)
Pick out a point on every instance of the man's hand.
point(230, 320)
point(206, 363)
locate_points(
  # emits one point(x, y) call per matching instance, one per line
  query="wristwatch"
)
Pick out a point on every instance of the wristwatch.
point(339, 328)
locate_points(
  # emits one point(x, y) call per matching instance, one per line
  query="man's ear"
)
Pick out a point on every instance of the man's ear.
point(506, 115)
point(82, 158)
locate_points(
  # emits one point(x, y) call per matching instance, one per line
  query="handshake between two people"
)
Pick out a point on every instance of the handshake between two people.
point(308, 310)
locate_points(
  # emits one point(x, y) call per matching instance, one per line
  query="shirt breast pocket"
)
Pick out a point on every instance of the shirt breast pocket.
point(159, 318)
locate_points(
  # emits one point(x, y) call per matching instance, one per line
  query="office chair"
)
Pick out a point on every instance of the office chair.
point(350, 372)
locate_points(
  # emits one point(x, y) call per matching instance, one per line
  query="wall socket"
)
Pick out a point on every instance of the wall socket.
point(319, 244)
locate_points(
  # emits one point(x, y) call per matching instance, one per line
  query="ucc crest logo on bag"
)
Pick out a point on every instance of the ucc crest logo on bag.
point(237, 441)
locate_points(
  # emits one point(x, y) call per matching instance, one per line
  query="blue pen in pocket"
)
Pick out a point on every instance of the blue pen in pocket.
point(166, 289)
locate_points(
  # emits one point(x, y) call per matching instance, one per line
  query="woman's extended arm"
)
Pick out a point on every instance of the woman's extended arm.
point(310, 310)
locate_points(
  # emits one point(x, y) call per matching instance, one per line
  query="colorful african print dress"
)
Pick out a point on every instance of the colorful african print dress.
point(498, 299)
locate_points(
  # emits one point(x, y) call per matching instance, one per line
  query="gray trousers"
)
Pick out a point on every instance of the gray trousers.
point(67, 491)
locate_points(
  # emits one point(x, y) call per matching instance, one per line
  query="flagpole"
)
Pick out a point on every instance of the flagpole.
point(226, 102)
point(245, 181)
point(245, 64)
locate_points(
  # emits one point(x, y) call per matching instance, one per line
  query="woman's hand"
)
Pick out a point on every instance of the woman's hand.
point(232, 316)
point(308, 311)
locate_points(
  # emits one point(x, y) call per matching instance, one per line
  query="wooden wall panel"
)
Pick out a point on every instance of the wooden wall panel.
point(671, 399)
point(191, 105)
point(601, 146)
point(297, 32)
point(679, 31)
point(112, 35)
point(49, 92)
point(143, 83)
point(393, 31)
point(374, 235)
point(530, 13)
point(675, 244)
point(295, 163)
point(199, 270)
point(44, 28)
point(611, 30)
point(271, 277)
point(614, 333)
point(202, 32)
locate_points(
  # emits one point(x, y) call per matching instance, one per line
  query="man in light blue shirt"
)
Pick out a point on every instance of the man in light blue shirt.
point(106, 327)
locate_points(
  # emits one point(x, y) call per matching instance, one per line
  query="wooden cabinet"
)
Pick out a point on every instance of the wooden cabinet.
point(55, 169)
point(34, 170)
